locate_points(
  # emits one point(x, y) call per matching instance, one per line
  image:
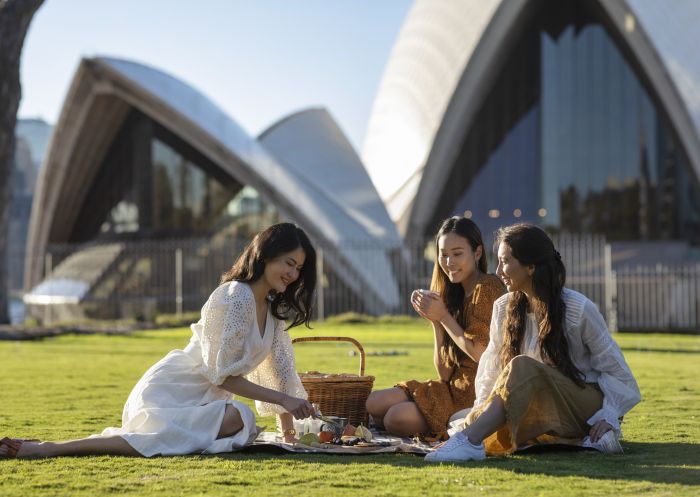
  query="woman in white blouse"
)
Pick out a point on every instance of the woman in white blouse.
point(183, 404)
point(551, 372)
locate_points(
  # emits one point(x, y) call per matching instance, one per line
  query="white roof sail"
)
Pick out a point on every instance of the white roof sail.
point(311, 144)
point(426, 63)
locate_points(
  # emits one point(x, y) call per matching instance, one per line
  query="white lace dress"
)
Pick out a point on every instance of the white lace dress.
point(177, 406)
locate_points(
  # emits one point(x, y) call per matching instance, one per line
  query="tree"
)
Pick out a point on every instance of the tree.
point(15, 16)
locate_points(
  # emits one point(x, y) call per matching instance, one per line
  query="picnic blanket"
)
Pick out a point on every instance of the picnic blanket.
point(386, 444)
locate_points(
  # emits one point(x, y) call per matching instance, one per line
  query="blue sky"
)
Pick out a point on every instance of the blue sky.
point(258, 59)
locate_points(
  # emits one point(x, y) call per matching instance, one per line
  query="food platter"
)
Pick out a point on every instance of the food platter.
point(380, 444)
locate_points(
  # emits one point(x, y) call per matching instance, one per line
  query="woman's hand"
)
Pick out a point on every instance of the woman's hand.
point(414, 303)
point(599, 429)
point(290, 439)
point(428, 305)
point(299, 408)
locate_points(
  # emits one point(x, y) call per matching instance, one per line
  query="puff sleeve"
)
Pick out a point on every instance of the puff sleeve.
point(223, 330)
point(620, 390)
point(278, 372)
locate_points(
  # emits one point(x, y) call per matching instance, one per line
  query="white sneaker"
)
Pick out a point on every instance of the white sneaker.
point(458, 448)
point(609, 443)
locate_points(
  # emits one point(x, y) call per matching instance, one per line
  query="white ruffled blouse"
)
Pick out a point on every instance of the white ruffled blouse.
point(231, 344)
point(591, 347)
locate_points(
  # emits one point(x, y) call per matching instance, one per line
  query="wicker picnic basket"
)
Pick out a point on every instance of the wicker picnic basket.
point(342, 395)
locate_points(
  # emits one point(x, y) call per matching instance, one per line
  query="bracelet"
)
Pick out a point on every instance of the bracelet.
point(290, 431)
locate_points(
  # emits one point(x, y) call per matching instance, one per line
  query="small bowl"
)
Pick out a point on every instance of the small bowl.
point(338, 430)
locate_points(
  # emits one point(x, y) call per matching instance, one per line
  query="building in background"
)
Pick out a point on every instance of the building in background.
point(139, 157)
point(582, 116)
point(32, 138)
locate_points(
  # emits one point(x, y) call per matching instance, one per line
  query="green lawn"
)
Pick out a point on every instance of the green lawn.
point(73, 386)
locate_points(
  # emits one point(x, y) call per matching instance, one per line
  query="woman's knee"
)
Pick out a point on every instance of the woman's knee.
point(232, 422)
point(380, 401)
point(396, 416)
point(522, 362)
point(375, 402)
point(404, 419)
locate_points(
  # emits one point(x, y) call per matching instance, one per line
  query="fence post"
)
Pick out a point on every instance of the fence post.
point(320, 311)
point(178, 281)
point(47, 314)
point(610, 290)
point(48, 264)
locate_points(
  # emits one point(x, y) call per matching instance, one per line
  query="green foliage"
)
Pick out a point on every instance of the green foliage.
point(350, 318)
point(75, 385)
point(359, 318)
point(30, 322)
point(177, 321)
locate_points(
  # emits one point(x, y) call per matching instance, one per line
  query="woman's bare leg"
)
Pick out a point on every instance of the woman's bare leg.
point(232, 422)
point(379, 402)
point(490, 420)
point(405, 419)
point(116, 446)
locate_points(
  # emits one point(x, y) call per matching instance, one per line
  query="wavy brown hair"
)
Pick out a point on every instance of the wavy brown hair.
point(531, 246)
point(453, 293)
point(295, 303)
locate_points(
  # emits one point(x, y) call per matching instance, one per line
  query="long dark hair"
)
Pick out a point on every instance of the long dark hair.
point(295, 303)
point(453, 293)
point(531, 246)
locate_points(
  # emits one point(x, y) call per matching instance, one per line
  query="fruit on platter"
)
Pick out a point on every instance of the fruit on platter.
point(364, 433)
point(326, 437)
point(352, 435)
point(308, 439)
point(349, 440)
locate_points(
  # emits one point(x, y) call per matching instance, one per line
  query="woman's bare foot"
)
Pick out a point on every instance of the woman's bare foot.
point(17, 447)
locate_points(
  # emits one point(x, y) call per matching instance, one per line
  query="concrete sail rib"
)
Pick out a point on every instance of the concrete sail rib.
point(664, 41)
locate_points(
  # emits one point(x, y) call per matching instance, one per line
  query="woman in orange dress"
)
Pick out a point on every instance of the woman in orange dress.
point(551, 373)
point(458, 307)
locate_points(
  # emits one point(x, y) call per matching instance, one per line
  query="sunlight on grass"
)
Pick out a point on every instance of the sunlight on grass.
point(73, 386)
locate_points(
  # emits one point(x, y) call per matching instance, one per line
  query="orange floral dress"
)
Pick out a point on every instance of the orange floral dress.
point(437, 400)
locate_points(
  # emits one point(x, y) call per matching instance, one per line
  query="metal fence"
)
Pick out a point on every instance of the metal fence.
point(658, 298)
point(141, 279)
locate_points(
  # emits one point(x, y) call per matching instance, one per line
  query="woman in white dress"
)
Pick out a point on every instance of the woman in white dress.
point(240, 346)
point(551, 372)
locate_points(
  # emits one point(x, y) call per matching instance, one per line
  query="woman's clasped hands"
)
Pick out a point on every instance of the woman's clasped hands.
point(428, 305)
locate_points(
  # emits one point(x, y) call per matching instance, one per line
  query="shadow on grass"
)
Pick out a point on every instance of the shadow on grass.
point(660, 350)
point(665, 463)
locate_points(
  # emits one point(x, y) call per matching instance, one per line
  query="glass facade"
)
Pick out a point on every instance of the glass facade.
point(570, 138)
point(152, 184)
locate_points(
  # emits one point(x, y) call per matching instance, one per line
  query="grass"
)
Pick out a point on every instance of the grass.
point(72, 386)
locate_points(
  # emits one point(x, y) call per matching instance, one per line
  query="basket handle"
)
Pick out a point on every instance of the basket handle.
point(338, 339)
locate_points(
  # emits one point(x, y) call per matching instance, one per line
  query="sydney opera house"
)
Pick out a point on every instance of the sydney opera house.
point(581, 115)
